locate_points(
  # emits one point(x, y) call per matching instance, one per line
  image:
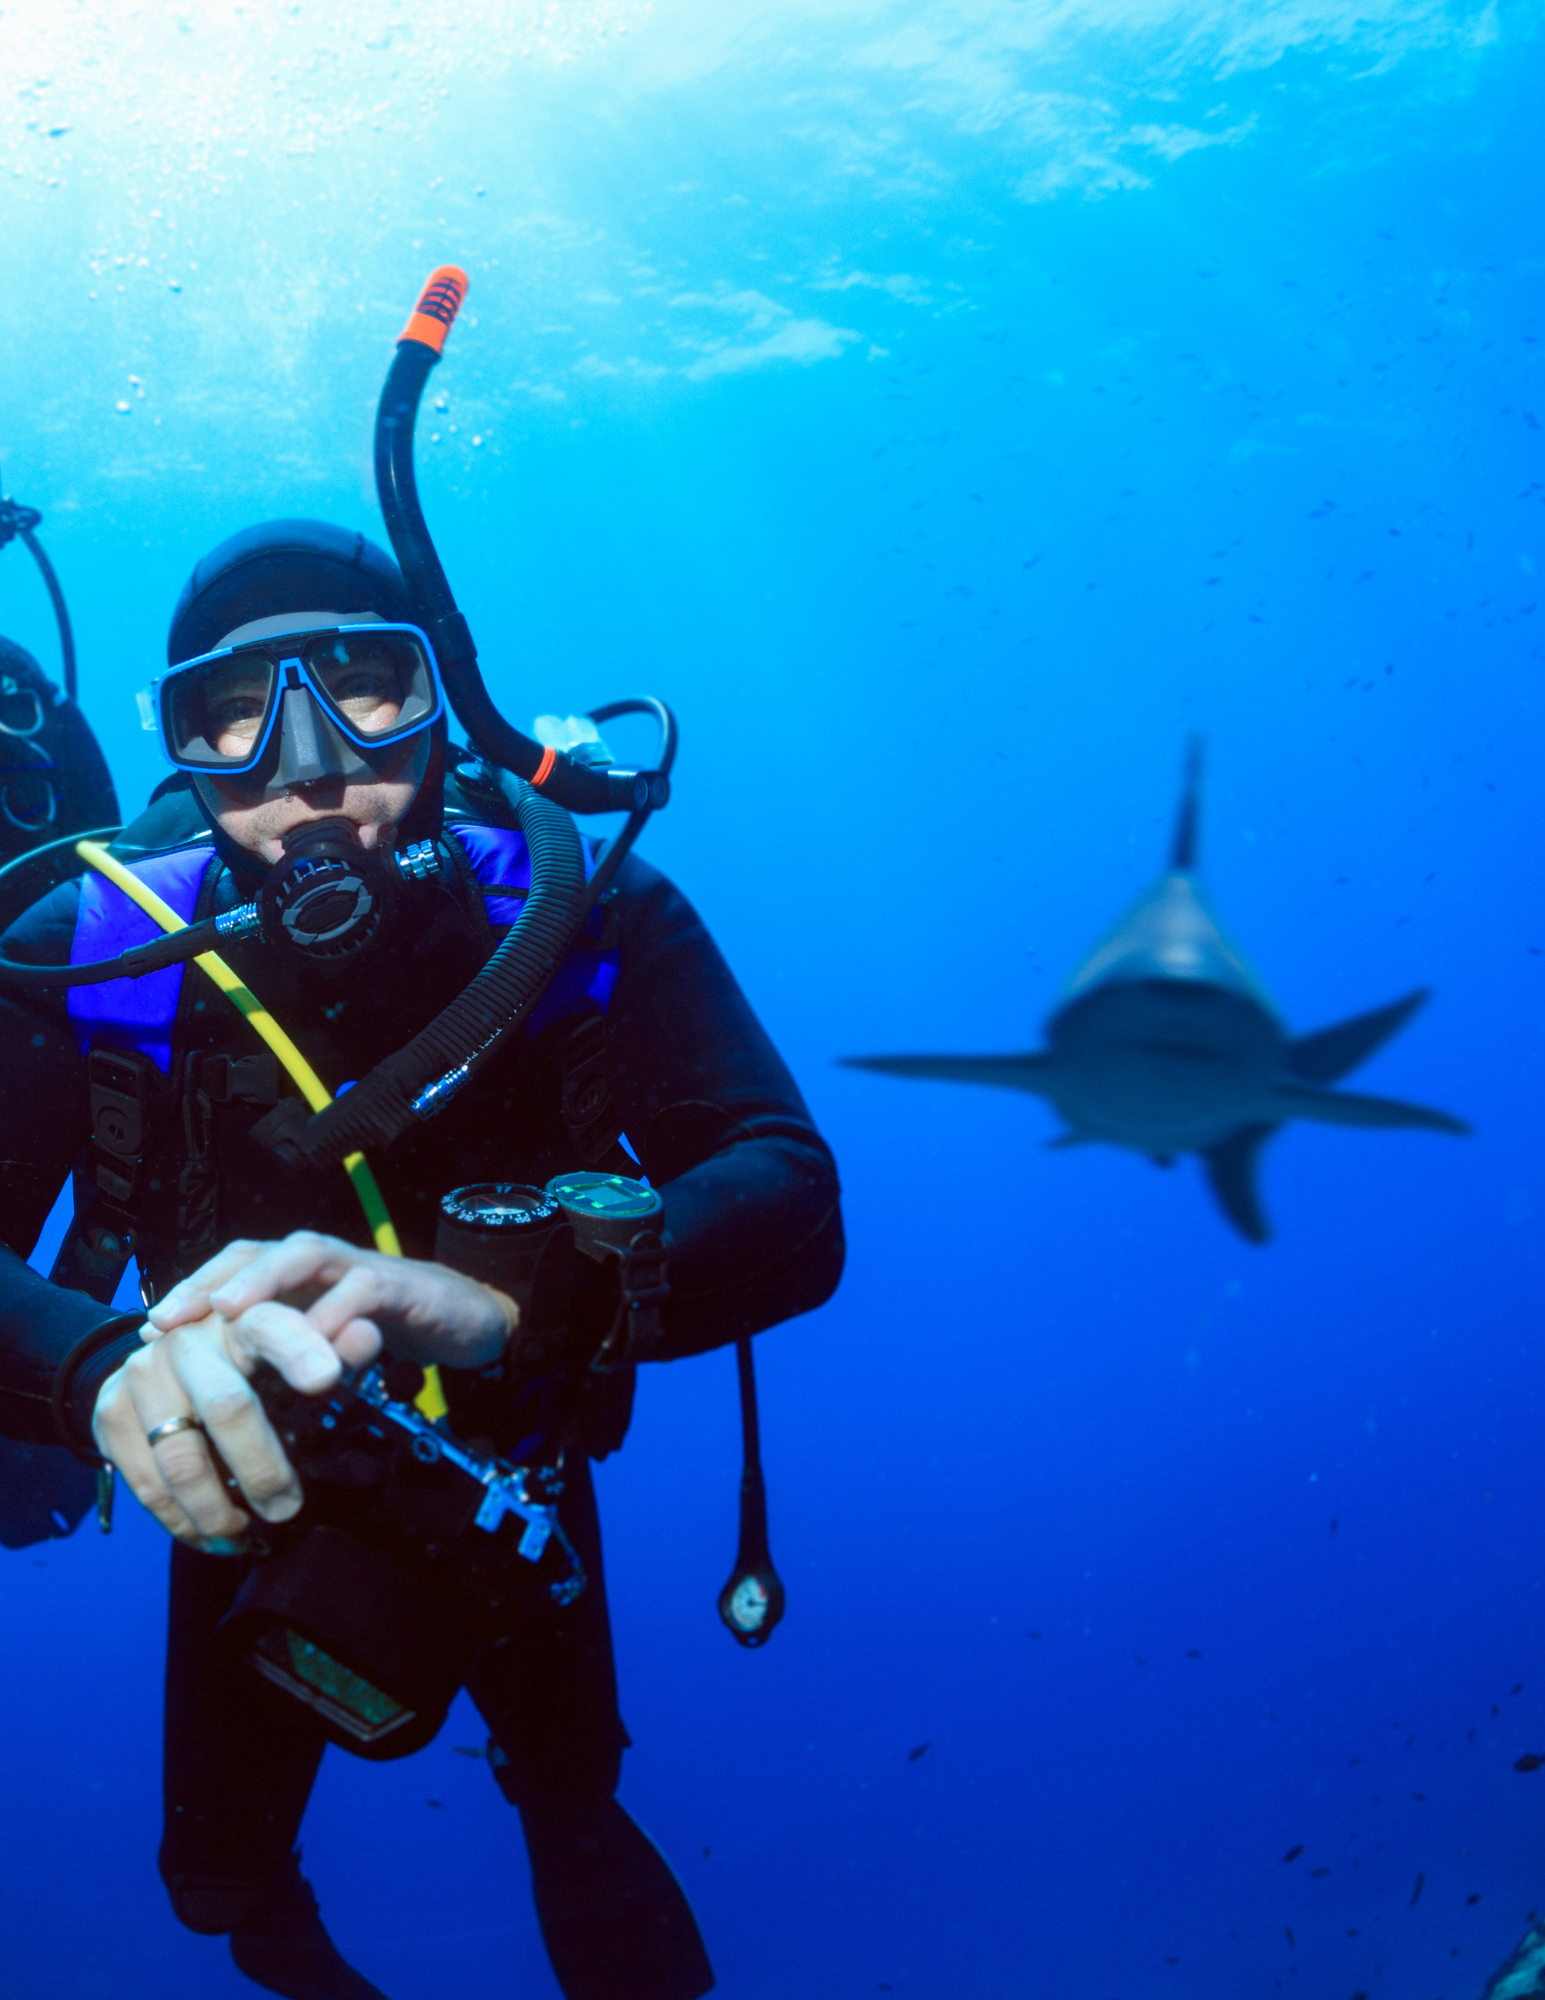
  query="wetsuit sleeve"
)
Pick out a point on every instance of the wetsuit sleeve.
point(54, 1344)
point(750, 1187)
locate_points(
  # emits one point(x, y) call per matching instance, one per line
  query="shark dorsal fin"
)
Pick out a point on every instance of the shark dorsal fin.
point(1188, 819)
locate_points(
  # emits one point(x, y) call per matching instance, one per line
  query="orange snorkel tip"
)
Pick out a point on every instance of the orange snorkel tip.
point(438, 304)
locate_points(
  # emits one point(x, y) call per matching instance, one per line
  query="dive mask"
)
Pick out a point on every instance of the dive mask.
point(330, 693)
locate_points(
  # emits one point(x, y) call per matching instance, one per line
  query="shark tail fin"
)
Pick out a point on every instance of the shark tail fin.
point(1350, 1107)
point(1329, 1055)
point(1188, 819)
point(1231, 1176)
point(1007, 1072)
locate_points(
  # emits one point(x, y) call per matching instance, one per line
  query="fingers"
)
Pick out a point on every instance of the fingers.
point(228, 1407)
point(175, 1480)
point(121, 1438)
point(364, 1292)
point(300, 1261)
point(190, 1300)
point(424, 1310)
point(191, 1372)
point(287, 1340)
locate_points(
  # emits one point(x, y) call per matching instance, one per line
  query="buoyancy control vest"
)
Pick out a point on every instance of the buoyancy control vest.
point(177, 1082)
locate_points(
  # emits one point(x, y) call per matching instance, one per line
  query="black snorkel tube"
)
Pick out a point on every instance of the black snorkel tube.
point(581, 788)
point(552, 774)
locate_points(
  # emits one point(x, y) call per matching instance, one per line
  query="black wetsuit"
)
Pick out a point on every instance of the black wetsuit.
point(755, 1236)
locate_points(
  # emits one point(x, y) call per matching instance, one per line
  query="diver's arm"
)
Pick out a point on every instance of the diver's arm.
point(56, 1350)
point(750, 1187)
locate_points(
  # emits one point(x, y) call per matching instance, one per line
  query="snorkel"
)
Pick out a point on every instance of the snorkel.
point(582, 788)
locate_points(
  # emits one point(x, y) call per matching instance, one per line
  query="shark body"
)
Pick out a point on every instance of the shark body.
point(1165, 1043)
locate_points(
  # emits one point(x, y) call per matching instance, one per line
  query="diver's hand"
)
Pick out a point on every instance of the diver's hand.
point(200, 1369)
point(354, 1299)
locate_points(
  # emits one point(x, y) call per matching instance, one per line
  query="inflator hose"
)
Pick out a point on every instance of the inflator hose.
point(133, 964)
point(429, 1070)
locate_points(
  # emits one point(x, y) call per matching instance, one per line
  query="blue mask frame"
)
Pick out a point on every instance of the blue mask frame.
point(284, 651)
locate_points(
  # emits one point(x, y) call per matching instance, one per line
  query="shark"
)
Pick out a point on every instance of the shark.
point(1165, 1042)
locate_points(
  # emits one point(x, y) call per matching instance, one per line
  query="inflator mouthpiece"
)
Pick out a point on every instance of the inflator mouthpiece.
point(439, 302)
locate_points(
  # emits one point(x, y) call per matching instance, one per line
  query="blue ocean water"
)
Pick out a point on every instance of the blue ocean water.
point(948, 408)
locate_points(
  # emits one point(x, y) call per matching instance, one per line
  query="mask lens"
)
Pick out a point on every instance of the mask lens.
point(379, 682)
point(215, 714)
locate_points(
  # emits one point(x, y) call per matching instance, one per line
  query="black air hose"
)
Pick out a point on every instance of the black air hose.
point(429, 1071)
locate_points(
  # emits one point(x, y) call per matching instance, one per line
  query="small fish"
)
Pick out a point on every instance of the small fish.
point(1316, 1873)
point(1287, 1932)
point(438, 1804)
point(1192, 1653)
point(706, 1852)
point(1335, 1522)
point(1033, 1635)
point(1416, 1893)
point(1519, 1689)
point(1139, 1659)
point(1471, 1901)
point(1529, 1762)
point(1353, 1760)
point(1294, 1852)
point(913, 1755)
point(467, 1750)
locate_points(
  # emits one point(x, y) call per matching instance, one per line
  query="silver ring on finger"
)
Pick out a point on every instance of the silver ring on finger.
point(170, 1429)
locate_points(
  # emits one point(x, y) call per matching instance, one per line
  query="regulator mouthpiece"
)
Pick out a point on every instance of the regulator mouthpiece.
point(329, 898)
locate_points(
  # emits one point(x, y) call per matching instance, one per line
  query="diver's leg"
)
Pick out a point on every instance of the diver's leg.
point(241, 1757)
point(616, 1922)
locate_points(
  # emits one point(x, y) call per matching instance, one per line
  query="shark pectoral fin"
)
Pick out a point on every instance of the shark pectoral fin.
point(1349, 1107)
point(1231, 1176)
point(1329, 1054)
point(1027, 1072)
point(1064, 1140)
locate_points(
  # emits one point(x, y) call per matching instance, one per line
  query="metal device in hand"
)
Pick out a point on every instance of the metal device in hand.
point(410, 1555)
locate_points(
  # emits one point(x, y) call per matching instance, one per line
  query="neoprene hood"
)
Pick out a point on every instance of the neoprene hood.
point(283, 566)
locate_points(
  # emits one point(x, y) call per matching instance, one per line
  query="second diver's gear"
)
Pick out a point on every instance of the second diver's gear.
point(52, 773)
point(172, 1427)
point(327, 694)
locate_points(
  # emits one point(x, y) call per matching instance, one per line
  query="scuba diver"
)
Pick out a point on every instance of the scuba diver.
point(496, 1005)
point(53, 780)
